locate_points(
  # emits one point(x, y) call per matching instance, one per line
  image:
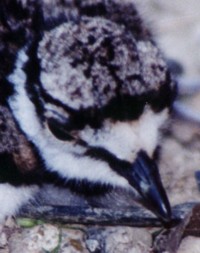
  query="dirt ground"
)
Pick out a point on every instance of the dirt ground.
point(176, 26)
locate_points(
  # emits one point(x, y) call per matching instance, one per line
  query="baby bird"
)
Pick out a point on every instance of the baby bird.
point(84, 95)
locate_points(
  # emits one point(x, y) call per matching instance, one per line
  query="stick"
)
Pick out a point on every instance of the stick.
point(132, 216)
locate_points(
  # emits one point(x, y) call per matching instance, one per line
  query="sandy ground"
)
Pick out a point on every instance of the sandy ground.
point(176, 26)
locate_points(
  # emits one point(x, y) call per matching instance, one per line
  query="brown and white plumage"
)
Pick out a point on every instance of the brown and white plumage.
point(89, 91)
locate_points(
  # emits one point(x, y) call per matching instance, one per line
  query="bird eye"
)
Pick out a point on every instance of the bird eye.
point(59, 130)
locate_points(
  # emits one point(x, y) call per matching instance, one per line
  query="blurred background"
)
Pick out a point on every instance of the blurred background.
point(176, 25)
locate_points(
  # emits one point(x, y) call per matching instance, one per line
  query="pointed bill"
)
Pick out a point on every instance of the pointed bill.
point(144, 177)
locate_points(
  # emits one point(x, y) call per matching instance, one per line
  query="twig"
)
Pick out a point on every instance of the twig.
point(132, 216)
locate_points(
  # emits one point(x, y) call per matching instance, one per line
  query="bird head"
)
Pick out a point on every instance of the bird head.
point(92, 98)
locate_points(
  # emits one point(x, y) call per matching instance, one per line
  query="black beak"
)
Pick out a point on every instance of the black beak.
point(144, 177)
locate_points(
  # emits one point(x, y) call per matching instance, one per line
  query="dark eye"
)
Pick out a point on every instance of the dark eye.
point(59, 130)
